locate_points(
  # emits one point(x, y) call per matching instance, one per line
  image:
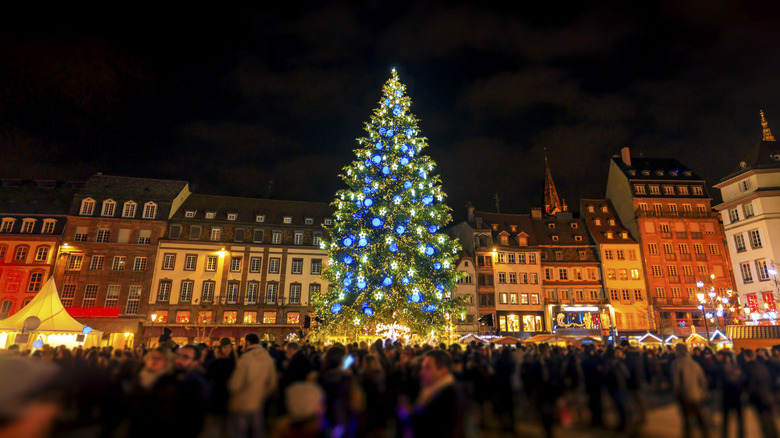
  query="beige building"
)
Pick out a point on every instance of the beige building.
point(229, 266)
point(621, 267)
point(466, 288)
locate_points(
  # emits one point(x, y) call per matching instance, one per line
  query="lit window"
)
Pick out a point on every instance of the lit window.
point(269, 317)
point(112, 295)
point(287, 219)
point(229, 317)
point(293, 317)
point(109, 206)
point(42, 254)
point(250, 317)
point(183, 316)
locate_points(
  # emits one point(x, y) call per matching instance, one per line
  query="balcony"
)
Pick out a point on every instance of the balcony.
point(701, 257)
point(683, 214)
point(666, 235)
point(690, 279)
point(685, 256)
point(674, 279)
point(669, 257)
point(695, 235)
point(682, 235)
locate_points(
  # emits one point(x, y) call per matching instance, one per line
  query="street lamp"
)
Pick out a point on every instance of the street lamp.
point(153, 317)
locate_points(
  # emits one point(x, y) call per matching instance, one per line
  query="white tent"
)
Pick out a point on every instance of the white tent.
point(57, 327)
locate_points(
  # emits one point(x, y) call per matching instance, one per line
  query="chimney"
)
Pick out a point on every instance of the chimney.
point(625, 155)
point(470, 210)
point(536, 213)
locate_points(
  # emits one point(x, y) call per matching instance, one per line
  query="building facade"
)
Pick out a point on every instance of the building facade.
point(230, 266)
point(666, 209)
point(751, 216)
point(467, 289)
point(621, 267)
point(109, 249)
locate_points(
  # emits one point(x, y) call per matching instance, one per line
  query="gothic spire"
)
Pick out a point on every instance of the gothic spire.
point(767, 133)
point(552, 204)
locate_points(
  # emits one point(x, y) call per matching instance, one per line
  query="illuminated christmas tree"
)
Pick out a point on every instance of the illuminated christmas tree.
point(388, 262)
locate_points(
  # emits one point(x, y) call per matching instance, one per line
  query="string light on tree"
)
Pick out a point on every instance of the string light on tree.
point(392, 222)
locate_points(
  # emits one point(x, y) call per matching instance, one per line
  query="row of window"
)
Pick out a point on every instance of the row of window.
point(68, 294)
point(622, 274)
point(109, 209)
point(96, 263)
point(564, 275)
point(260, 218)
point(676, 292)
point(755, 240)
point(579, 295)
point(668, 190)
point(511, 323)
point(672, 209)
point(251, 295)
point(237, 263)
point(683, 249)
point(512, 298)
point(103, 235)
point(22, 252)
point(619, 254)
point(512, 258)
point(518, 278)
point(747, 212)
point(240, 235)
point(28, 224)
point(763, 270)
point(681, 232)
point(687, 270)
point(228, 317)
point(626, 295)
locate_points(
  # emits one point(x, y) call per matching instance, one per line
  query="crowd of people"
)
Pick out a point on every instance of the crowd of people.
point(382, 389)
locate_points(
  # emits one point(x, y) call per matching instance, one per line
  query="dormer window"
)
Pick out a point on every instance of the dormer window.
point(287, 219)
point(309, 221)
point(211, 214)
point(655, 190)
point(597, 222)
point(150, 210)
point(328, 221)
point(8, 225)
point(590, 209)
point(259, 218)
point(495, 227)
point(87, 207)
point(129, 209)
point(555, 238)
point(673, 172)
point(659, 173)
point(574, 225)
point(632, 172)
point(27, 225)
point(697, 190)
point(189, 214)
point(578, 238)
point(608, 234)
point(624, 235)
point(232, 216)
point(48, 226)
point(612, 222)
point(646, 173)
point(551, 225)
point(682, 190)
point(687, 173)
point(504, 240)
point(108, 208)
point(513, 228)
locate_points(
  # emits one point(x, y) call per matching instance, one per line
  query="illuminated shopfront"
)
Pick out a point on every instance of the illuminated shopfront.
point(516, 323)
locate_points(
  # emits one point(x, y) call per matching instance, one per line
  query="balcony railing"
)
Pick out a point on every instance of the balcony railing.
point(674, 279)
point(683, 214)
point(701, 257)
point(682, 235)
point(670, 257)
point(695, 235)
point(666, 235)
point(685, 256)
point(689, 279)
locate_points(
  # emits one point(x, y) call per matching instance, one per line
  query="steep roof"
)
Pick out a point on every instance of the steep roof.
point(764, 155)
point(512, 224)
point(565, 227)
point(656, 169)
point(130, 187)
point(600, 232)
point(246, 209)
point(47, 306)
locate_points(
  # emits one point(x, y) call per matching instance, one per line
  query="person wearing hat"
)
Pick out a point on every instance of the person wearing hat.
point(27, 408)
point(305, 403)
point(218, 374)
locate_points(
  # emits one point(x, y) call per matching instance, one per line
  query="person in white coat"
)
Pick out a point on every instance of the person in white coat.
point(252, 382)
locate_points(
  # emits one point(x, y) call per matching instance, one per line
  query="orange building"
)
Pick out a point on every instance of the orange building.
point(666, 208)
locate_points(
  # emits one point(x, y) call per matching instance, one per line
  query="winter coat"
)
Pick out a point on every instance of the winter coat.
point(688, 380)
point(253, 380)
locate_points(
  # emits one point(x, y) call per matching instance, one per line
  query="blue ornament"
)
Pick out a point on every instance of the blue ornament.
point(382, 131)
point(336, 308)
point(368, 179)
point(398, 93)
point(397, 199)
point(416, 297)
point(348, 259)
point(404, 161)
point(390, 132)
point(393, 247)
point(347, 282)
point(404, 148)
point(366, 190)
point(432, 228)
point(347, 241)
point(427, 199)
point(368, 202)
point(38, 344)
point(409, 132)
point(387, 281)
point(378, 145)
point(440, 287)
point(86, 330)
point(362, 242)
point(386, 170)
point(429, 250)
point(397, 110)
point(405, 281)
point(387, 102)
point(376, 222)
point(407, 185)
point(400, 229)
point(429, 308)
point(437, 266)
point(422, 174)
point(361, 284)
point(367, 163)
point(350, 274)
point(368, 311)
point(357, 216)
point(377, 159)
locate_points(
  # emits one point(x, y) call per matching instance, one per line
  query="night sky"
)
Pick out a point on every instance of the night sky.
point(231, 99)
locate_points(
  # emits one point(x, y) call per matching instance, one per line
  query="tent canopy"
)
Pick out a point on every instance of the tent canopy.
point(506, 340)
point(550, 339)
point(47, 306)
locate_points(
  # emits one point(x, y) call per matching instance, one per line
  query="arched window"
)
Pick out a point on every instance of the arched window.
point(150, 210)
point(42, 254)
point(20, 254)
point(87, 207)
point(109, 206)
point(129, 209)
point(36, 280)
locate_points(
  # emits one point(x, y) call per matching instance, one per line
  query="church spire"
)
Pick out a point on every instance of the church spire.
point(552, 204)
point(767, 133)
